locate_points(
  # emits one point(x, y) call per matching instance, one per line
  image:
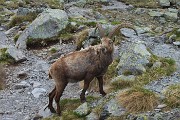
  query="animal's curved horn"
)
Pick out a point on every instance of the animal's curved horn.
point(118, 27)
point(101, 30)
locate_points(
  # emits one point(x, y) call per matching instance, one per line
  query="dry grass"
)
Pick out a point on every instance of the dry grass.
point(138, 99)
point(80, 37)
point(2, 74)
point(18, 19)
point(172, 95)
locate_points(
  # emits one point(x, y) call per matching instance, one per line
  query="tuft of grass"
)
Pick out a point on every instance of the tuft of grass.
point(5, 58)
point(53, 50)
point(121, 84)
point(115, 22)
point(137, 100)
point(172, 96)
point(81, 37)
point(16, 37)
point(18, 19)
point(167, 68)
point(175, 32)
point(2, 74)
point(142, 3)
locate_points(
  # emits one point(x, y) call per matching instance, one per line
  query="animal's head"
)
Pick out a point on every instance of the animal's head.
point(107, 40)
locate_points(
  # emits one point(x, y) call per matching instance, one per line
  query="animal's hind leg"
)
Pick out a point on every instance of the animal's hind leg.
point(100, 80)
point(51, 96)
point(59, 90)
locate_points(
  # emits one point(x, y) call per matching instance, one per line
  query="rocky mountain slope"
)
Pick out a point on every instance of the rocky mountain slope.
point(33, 34)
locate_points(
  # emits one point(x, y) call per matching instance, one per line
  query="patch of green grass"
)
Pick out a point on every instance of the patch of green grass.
point(121, 84)
point(172, 96)
point(18, 19)
point(53, 50)
point(67, 106)
point(167, 68)
point(5, 58)
point(16, 37)
point(175, 32)
point(115, 22)
point(138, 99)
point(142, 3)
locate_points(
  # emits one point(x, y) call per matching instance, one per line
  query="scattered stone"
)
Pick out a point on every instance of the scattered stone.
point(38, 91)
point(43, 113)
point(114, 108)
point(157, 65)
point(21, 85)
point(164, 3)
point(155, 13)
point(35, 84)
point(47, 25)
point(22, 75)
point(128, 32)
point(92, 116)
point(171, 16)
point(16, 54)
point(83, 109)
point(161, 106)
point(177, 43)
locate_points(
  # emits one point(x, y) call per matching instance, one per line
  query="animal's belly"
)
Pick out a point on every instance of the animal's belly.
point(73, 80)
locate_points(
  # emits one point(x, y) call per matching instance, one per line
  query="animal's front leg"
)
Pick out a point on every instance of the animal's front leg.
point(100, 80)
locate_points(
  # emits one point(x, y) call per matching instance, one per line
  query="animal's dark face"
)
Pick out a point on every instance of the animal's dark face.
point(108, 43)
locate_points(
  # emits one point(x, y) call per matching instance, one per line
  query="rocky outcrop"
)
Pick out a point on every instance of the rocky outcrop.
point(133, 59)
point(47, 26)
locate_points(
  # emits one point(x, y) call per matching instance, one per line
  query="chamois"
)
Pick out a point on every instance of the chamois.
point(83, 65)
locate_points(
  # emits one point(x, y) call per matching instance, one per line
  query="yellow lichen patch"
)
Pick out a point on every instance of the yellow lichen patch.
point(138, 99)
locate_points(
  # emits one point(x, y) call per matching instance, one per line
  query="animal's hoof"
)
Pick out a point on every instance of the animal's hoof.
point(103, 94)
point(83, 100)
point(52, 110)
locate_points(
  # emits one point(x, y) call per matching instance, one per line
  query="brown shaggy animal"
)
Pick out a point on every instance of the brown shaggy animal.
point(82, 65)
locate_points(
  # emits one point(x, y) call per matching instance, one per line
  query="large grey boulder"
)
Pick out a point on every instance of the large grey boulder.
point(47, 25)
point(133, 58)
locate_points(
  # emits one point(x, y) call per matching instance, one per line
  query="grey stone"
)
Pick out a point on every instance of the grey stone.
point(164, 3)
point(133, 58)
point(92, 116)
point(157, 65)
point(171, 16)
point(161, 106)
point(46, 26)
point(114, 108)
point(128, 32)
point(83, 109)
point(35, 84)
point(21, 85)
point(22, 74)
point(38, 91)
point(16, 54)
point(153, 13)
point(44, 112)
point(177, 43)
